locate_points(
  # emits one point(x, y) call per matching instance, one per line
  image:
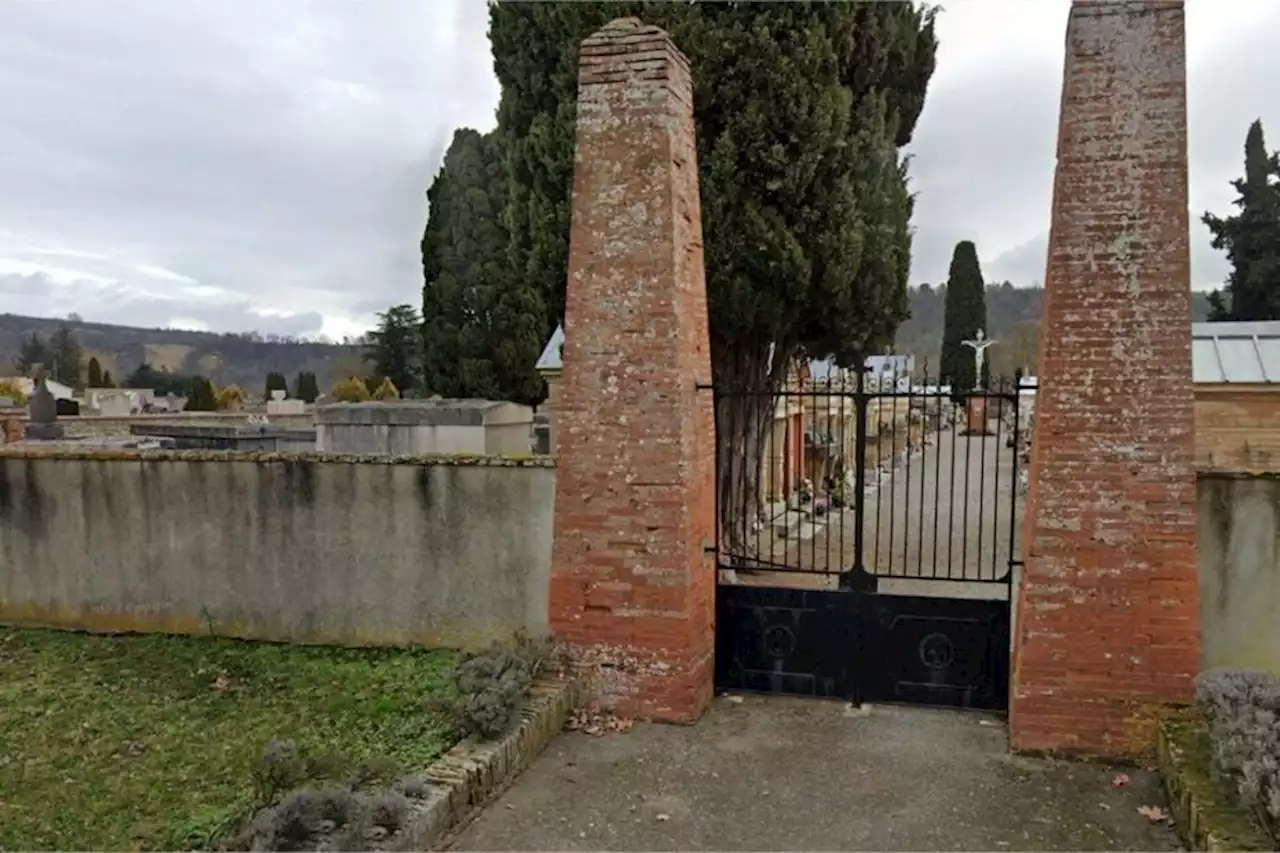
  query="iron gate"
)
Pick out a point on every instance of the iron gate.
point(868, 539)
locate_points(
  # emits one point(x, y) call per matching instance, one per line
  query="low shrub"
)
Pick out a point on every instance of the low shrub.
point(493, 685)
point(1243, 712)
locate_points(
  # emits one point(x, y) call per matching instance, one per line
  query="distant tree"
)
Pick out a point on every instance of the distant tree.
point(1251, 238)
point(68, 357)
point(965, 313)
point(95, 373)
point(351, 390)
point(203, 397)
point(394, 348)
point(107, 381)
point(386, 390)
point(275, 382)
point(231, 398)
point(34, 350)
point(13, 392)
point(305, 387)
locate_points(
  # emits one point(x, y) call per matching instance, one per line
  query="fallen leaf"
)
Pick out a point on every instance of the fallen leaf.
point(737, 700)
point(664, 817)
point(596, 723)
point(1155, 814)
point(1120, 780)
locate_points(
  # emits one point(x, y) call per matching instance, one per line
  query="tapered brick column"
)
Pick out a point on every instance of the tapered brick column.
point(1108, 609)
point(632, 589)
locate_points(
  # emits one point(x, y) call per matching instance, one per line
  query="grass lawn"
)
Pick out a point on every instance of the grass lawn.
point(110, 743)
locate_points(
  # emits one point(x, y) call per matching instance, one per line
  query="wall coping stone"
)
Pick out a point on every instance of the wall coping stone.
point(98, 454)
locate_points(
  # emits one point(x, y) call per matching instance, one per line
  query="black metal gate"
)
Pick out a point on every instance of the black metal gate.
point(868, 537)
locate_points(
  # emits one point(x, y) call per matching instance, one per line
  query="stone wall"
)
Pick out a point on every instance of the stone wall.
point(289, 547)
point(1239, 539)
point(94, 426)
point(414, 427)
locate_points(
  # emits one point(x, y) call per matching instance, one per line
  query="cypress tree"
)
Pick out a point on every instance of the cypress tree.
point(275, 382)
point(801, 109)
point(964, 314)
point(305, 387)
point(95, 373)
point(203, 397)
point(482, 325)
point(1251, 238)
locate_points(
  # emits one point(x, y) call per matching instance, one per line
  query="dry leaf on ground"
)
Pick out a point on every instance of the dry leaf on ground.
point(596, 723)
point(1155, 814)
point(1120, 780)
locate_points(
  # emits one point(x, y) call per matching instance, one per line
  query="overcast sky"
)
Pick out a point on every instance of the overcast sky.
point(240, 166)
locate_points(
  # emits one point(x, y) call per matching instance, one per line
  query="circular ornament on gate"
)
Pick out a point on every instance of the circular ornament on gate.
point(937, 652)
point(779, 641)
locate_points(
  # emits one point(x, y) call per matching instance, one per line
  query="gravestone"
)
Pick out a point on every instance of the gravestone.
point(42, 414)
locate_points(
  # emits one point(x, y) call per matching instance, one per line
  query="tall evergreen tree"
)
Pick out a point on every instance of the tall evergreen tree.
point(965, 313)
point(482, 326)
point(394, 348)
point(305, 387)
point(275, 382)
point(107, 381)
point(801, 109)
point(1251, 238)
point(95, 373)
point(203, 396)
point(68, 357)
point(35, 350)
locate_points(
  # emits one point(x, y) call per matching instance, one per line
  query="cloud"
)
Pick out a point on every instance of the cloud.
point(264, 166)
point(276, 155)
point(983, 155)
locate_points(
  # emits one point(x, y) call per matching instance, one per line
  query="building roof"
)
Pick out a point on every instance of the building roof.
point(551, 354)
point(1235, 353)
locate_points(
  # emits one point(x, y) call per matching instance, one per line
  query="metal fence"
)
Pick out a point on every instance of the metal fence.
point(846, 480)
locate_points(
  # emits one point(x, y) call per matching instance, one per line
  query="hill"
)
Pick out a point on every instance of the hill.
point(1013, 316)
point(227, 359)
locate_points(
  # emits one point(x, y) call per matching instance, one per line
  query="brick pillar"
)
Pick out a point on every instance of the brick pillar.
point(632, 589)
point(1108, 607)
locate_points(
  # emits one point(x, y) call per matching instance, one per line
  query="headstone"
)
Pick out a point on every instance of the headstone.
point(42, 415)
point(278, 394)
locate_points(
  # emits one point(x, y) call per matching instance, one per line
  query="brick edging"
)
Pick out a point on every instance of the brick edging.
point(1204, 814)
point(467, 776)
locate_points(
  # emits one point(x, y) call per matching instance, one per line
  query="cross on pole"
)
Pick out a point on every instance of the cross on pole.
point(979, 344)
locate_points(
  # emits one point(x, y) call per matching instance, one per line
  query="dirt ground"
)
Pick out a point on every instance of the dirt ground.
point(768, 773)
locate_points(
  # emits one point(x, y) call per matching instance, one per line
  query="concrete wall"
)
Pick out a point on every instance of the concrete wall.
point(306, 548)
point(415, 427)
point(1239, 544)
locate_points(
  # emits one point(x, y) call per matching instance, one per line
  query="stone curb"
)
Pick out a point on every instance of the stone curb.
point(1204, 813)
point(472, 772)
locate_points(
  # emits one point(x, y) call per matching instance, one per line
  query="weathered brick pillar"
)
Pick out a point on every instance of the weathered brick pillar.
point(1108, 611)
point(632, 589)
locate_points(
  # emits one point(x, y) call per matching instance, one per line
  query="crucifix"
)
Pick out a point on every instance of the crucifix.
point(979, 344)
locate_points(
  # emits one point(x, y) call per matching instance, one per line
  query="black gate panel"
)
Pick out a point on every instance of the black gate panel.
point(800, 642)
point(935, 651)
